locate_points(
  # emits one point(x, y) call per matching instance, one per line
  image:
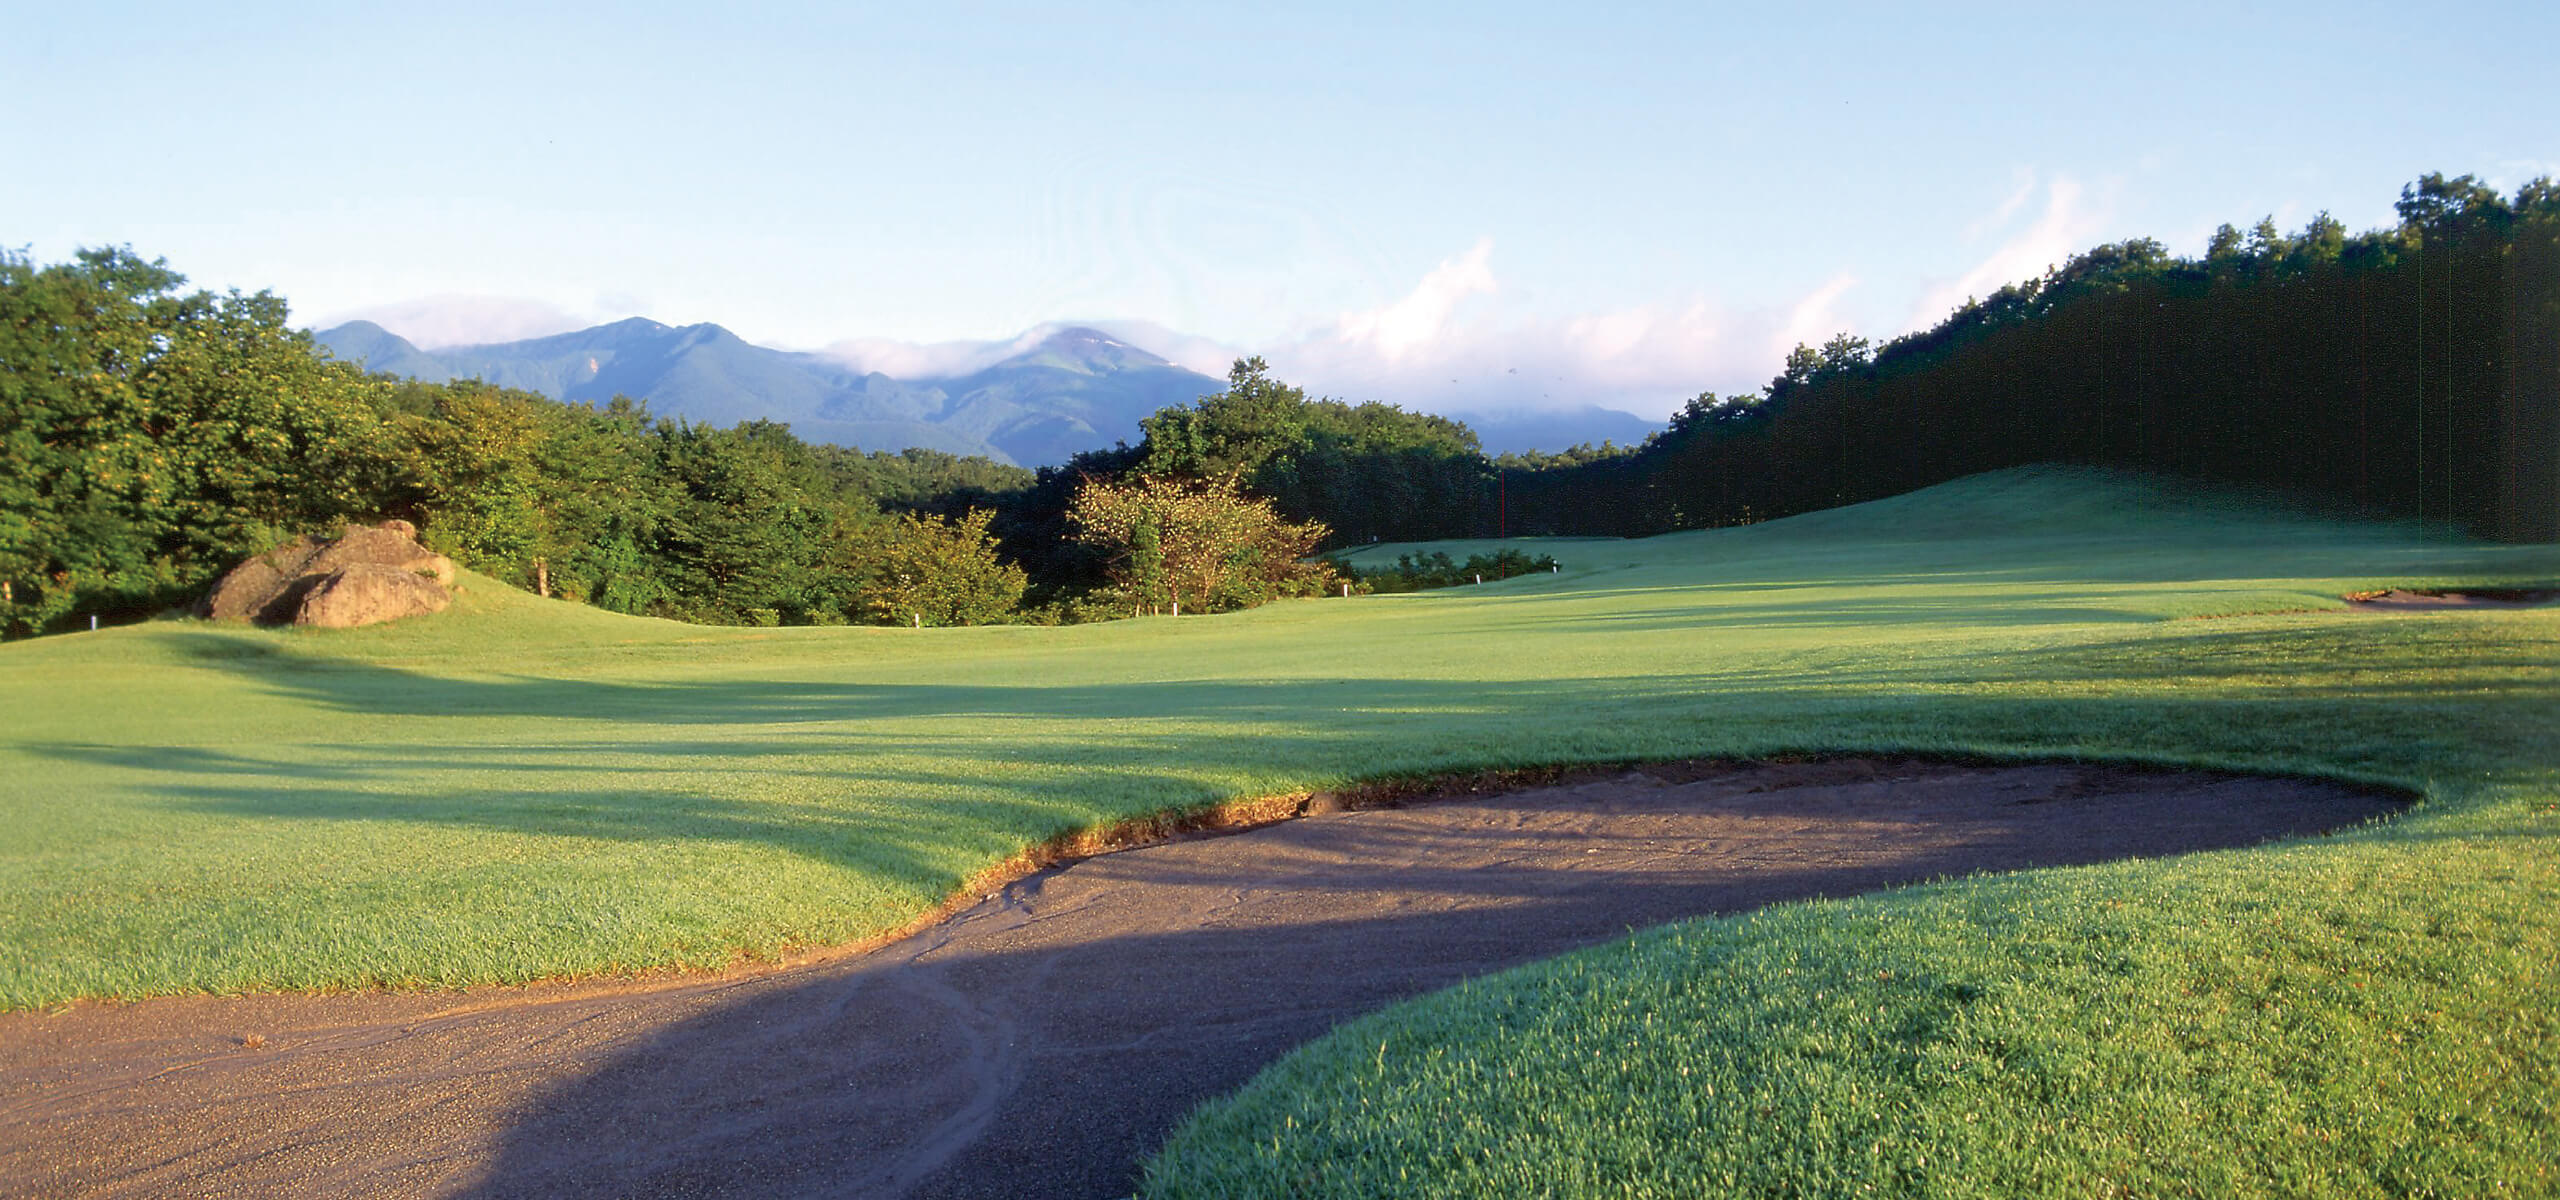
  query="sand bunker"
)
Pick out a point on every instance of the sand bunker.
point(2435, 600)
point(1045, 1040)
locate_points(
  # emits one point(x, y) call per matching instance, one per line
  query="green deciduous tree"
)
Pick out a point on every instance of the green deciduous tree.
point(1366, 471)
point(1233, 432)
point(470, 462)
point(926, 570)
point(747, 522)
point(149, 437)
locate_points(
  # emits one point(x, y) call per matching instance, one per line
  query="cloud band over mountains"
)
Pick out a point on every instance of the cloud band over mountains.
point(1448, 344)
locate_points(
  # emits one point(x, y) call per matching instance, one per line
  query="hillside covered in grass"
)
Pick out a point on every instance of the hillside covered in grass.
point(523, 788)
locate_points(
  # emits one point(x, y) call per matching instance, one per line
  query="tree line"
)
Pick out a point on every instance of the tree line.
point(2413, 370)
point(150, 437)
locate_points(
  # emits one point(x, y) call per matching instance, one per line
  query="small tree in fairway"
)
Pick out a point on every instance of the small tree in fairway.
point(1197, 544)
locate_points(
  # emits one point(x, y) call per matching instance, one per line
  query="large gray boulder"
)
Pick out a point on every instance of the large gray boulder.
point(369, 574)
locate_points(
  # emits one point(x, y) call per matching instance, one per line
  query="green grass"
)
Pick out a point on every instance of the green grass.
point(2374, 1013)
point(520, 789)
point(2371, 1018)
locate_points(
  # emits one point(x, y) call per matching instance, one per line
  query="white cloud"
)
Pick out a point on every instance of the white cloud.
point(1429, 351)
point(1999, 217)
point(929, 360)
point(1811, 321)
point(2514, 173)
point(939, 360)
point(433, 322)
point(1422, 317)
point(1445, 345)
point(1209, 356)
point(2068, 224)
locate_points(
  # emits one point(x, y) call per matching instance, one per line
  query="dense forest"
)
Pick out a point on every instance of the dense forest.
point(2411, 371)
point(150, 437)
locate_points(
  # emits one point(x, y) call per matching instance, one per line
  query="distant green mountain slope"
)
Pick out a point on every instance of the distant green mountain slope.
point(1075, 390)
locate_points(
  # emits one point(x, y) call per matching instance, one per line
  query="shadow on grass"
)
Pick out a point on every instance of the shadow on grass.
point(843, 772)
point(779, 1089)
point(2321, 657)
point(384, 691)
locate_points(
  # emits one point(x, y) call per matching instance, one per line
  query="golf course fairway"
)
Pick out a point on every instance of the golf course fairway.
point(521, 789)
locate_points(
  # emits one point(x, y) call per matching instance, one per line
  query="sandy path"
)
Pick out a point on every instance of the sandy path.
point(1044, 1041)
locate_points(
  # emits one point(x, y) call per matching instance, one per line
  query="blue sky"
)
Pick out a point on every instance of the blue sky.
point(1479, 205)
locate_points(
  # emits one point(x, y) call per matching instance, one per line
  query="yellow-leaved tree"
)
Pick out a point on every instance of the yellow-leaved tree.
point(1200, 545)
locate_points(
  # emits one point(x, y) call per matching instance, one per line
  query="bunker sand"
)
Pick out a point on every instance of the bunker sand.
point(1045, 1040)
point(2447, 600)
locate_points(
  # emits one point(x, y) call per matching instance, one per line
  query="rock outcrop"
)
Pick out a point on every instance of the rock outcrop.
point(369, 574)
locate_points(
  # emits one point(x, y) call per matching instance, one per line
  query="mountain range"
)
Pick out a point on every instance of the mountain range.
point(1075, 389)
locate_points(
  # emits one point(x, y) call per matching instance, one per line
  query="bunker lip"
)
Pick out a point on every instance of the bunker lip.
point(2448, 599)
point(1041, 1039)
